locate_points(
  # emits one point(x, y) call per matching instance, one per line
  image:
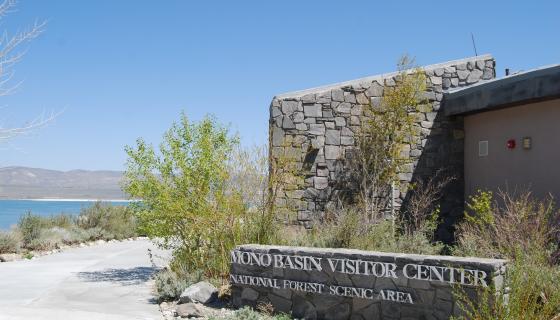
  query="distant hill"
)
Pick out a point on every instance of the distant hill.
point(33, 183)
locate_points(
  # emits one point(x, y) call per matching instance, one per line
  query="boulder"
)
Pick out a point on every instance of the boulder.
point(202, 292)
point(189, 310)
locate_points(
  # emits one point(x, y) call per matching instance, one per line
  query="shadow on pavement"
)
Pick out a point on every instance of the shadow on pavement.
point(132, 276)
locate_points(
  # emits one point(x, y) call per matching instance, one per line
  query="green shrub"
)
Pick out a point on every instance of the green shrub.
point(349, 231)
point(247, 313)
point(523, 230)
point(187, 198)
point(520, 225)
point(169, 285)
point(9, 242)
point(479, 208)
point(30, 227)
point(533, 294)
point(107, 222)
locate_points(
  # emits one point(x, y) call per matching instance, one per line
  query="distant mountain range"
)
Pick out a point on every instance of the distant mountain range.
point(33, 183)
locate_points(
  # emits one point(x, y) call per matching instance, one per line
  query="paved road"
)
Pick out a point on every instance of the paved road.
point(106, 281)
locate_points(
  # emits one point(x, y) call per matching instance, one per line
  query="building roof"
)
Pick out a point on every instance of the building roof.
point(370, 79)
point(521, 88)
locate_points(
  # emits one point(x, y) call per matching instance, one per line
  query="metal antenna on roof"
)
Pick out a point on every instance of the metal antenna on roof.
point(474, 45)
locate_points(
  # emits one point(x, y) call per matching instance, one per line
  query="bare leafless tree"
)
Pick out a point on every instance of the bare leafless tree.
point(11, 52)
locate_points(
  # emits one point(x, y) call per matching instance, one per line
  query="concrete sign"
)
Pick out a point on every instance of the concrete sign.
point(318, 283)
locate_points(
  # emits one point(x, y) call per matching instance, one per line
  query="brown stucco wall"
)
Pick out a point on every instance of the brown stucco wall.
point(518, 169)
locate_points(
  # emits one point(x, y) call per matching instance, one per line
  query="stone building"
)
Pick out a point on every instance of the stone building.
point(316, 128)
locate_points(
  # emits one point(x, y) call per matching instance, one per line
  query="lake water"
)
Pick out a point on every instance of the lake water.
point(11, 210)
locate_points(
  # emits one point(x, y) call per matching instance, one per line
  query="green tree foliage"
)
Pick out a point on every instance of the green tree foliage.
point(188, 198)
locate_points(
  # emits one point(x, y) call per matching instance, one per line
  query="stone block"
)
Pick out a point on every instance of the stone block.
point(436, 80)
point(349, 97)
point(289, 107)
point(347, 141)
point(332, 137)
point(332, 152)
point(337, 95)
point(287, 123)
point(480, 64)
point(344, 107)
point(320, 183)
point(317, 129)
point(318, 142)
point(313, 110)
point(362, 99)
point(298, 117)
point(462, 74)
point(275, 112)
point(340, 121)
point(277, 136)
point(309, 98)
point(474, 76)
point(347, 132)
point(375, 90)
point(488, 74)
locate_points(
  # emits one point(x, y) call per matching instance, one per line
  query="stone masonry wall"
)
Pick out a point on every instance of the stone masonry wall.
point(316, 129)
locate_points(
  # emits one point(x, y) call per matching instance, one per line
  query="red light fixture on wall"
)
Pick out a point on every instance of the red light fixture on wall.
point(511, 144)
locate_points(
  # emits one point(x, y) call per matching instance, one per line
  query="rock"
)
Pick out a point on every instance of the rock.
point(375, 90)
point(332, 137)
point(320, 183)
point(202, 292)
point(7, 257)
point(337, 95)
point(189, 310)
point(289, 107)
point(349, 97)
point(277, 136)
point(308, 98)
point(314, 110)
point(480, 64)
point(317, 129)
point(488, 74)
point(362, 99)
point(340, 121)
point(275, 112)
point(346, 141)
point(287, 123)
point(462, 74)
point(436, 80)
point(344, 107)
point(298, 117)
point(474, 76)
point(332, 152)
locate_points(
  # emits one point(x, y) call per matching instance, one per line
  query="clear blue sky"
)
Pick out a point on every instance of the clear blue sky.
point(126, 69)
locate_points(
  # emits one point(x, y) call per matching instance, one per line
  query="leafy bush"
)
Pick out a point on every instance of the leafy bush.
point(108, 222)
point(523, 230)
point(533, 294)
point(9, 242)
point(349, 231)
point(520, 225)
point(100, 221)
point(169, 285)
point(247, 313)
point(30, 227)
point(185, 196)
